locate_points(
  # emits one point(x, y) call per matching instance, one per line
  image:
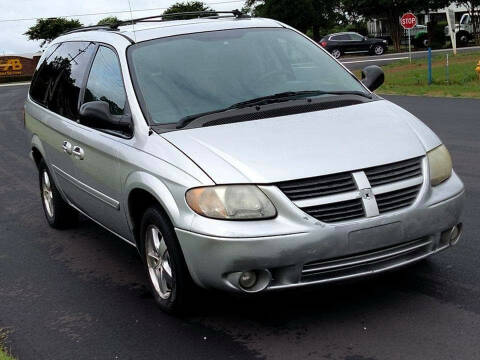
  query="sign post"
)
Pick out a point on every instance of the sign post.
point(408, 21)
point(452, 27)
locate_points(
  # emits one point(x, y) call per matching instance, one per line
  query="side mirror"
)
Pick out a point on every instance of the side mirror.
point(373, 77)
point(97, 114)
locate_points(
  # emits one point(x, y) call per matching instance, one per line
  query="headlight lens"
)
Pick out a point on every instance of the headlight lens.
point(440, 163)
point(231, 202)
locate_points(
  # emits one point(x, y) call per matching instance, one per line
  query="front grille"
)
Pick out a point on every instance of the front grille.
point(318, 186)
point(367, 262)
point(339, 211)
point(390, 173)
point(397, 199)
point(336, 197)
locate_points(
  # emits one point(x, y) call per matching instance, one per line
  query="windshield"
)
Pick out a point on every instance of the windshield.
point(198, 73)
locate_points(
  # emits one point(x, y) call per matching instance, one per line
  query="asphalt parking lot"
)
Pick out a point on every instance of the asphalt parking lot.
point(81, 293)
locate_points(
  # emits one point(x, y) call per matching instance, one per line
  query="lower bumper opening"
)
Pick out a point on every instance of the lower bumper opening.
point(368, 262)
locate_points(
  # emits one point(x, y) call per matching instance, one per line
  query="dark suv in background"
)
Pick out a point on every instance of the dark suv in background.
point(351, 42)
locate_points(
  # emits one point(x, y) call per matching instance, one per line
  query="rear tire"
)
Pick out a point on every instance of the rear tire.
point(58, 213)
point(165, 266)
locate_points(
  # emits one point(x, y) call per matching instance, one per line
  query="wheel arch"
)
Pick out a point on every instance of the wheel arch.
point(37, 153)
point(143, 191)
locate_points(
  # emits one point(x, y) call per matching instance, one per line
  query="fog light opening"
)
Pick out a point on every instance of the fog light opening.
point(248, 279)
point(455, 234)
point(253, 281)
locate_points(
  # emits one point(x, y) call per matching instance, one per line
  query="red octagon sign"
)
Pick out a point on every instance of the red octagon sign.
point(408, 21)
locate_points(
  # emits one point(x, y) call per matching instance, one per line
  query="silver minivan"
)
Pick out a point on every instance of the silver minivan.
point(235, 154)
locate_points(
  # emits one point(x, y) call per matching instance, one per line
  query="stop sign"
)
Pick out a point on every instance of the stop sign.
point(408, 21)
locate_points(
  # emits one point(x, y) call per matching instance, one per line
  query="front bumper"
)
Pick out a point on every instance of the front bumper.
point(315, 252)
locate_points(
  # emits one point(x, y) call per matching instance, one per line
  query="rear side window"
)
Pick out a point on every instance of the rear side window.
point(59, 79)
point(105, 81)
point(340, 37)
point(356, 37)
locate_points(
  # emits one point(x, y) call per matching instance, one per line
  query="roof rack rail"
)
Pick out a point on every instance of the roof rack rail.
point(90, 28)
point(210, 14)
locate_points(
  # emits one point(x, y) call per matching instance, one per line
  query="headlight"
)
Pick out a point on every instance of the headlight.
point(440, 163)
point(231, 202)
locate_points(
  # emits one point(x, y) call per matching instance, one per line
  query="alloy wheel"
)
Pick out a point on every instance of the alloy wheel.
point(336, 53)
point(378, 50)
point(47, 194)
point(158, 262)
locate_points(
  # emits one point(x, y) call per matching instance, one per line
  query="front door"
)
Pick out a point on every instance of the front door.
point(358, 43)
point(95, 149)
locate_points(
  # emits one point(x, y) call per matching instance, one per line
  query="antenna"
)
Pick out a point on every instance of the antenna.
point(133, 23)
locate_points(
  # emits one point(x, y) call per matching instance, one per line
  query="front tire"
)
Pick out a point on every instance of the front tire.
point(58, 213)
point(166, 270)
point(378, 50)
point(336, 53)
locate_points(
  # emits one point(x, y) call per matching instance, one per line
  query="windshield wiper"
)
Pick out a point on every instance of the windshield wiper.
point(289, 95)
point(270, 99)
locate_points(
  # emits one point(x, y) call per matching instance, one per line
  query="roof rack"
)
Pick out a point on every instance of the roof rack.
point(211, 14)
point(90, 28)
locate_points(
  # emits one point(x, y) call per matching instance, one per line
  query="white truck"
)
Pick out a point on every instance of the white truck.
point(464, 29)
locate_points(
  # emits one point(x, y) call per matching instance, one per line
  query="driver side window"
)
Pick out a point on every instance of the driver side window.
point(105, 82)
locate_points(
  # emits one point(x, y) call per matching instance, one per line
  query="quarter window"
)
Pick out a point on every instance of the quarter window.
point(105, 81)
point(59, 79)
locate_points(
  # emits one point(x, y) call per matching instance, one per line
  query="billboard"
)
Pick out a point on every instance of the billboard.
point(17, 68)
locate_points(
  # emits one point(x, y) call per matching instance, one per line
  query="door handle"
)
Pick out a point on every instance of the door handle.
point(67, 147)
point(78, 153)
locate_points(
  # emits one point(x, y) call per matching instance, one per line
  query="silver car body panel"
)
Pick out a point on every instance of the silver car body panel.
point(306, 145)
point(261, 152)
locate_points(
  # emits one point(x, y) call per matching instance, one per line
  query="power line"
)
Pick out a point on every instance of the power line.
point(110, 12)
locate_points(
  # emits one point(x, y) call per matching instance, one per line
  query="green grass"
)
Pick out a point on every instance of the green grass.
point(4, 353)
point(404, 78)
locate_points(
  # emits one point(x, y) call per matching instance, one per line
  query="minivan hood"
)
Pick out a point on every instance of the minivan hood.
point(304, 145)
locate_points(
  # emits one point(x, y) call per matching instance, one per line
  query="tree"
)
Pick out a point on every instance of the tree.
point(111, 20)
point(303, 15)
point(473, 9)
point(391, 11)
point(51, 28)
point(189, 6)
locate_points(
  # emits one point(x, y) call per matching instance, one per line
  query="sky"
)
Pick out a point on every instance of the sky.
point(16, 16)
